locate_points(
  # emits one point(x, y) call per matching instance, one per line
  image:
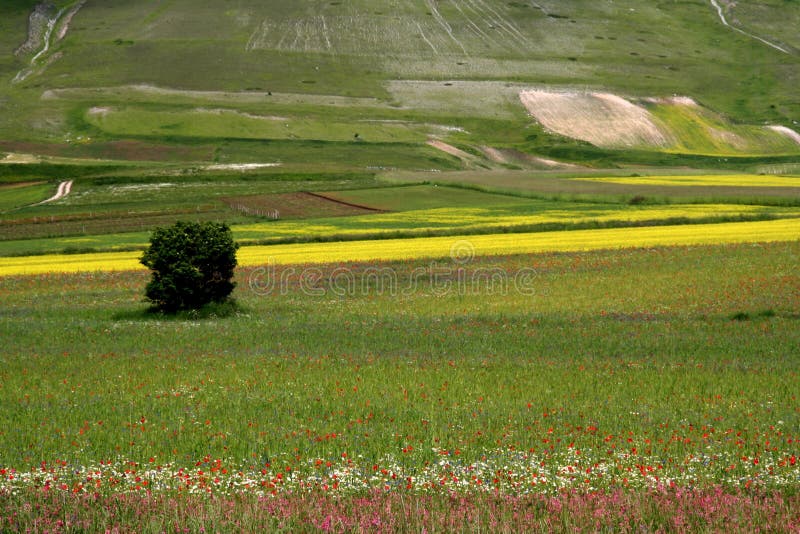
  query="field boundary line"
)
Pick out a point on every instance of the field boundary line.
point(343, 202)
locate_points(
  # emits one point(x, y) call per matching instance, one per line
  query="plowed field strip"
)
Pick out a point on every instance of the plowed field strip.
point(342, 202)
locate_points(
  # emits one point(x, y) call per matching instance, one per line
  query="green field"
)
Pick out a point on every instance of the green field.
point(619, 306)
point(741, 181)
point(619, 186)
point(504, 266)
point(119, 217)
point(12, 197)
point(669, 373)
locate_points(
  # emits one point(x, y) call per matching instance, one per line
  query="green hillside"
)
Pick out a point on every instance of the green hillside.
point(173, 74)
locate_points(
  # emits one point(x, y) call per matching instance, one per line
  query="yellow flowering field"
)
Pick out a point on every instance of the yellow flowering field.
point(433, 247)
point(467, 219)
point(732, 180)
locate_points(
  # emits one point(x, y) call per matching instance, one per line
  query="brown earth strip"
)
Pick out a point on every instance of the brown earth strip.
point(102, 223)
point(332, 198)
point(515, 157)
point(453, 151)
point(302, 205)
point(19, 185)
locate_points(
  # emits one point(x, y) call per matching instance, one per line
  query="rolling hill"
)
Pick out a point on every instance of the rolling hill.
point(364, 85)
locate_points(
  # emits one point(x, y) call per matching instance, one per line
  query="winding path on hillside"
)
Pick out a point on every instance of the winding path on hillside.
point(64, 189)
point(724, 20)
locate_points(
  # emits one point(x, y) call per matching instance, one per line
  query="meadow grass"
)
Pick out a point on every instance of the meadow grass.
point(768, 20)
point(611, 369)
point(601, 379)
point(220, 123)
point(18, 197)
point(699, 131)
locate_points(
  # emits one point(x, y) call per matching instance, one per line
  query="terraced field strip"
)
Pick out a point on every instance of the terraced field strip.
point(738, 180)
point(438, 247)
point(534, 217)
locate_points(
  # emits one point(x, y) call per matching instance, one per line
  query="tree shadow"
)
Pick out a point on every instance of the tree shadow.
point(215, 310)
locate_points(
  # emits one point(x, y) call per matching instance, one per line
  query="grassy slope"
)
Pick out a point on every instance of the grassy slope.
point(17, 197)
point(700, 131)
point(357, 48)
point(769, 20)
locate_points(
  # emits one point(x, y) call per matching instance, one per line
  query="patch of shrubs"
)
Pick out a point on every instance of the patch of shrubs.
point(192, 265)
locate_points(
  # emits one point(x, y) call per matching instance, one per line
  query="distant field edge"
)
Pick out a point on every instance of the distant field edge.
point(459, 248)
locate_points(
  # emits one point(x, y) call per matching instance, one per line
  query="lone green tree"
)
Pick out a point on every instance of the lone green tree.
point(192, 265)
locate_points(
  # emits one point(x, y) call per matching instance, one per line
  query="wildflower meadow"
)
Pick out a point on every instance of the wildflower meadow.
point(626, 390)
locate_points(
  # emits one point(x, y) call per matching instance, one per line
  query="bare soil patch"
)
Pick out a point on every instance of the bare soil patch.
point(788, 132)
point(603, 119)
point(243, 167)
point(495, 155)
point(62, 32)
point(37, 26)
point(303, 205)
point(453, 151)
point(64, 189)
point(20, 158)
point(515, 157)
